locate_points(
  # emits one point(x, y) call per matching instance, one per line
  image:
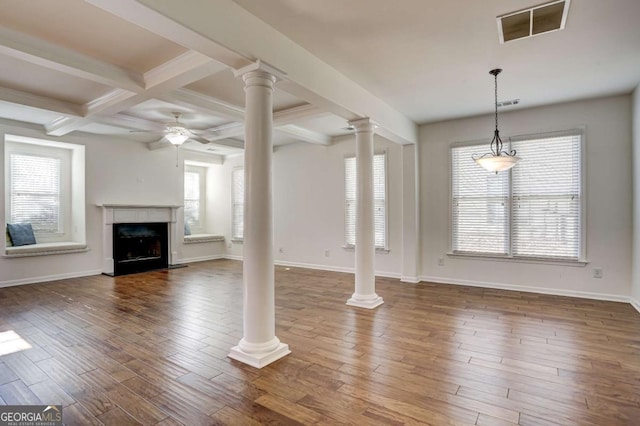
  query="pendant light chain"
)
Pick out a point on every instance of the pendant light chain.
point(496, 136)
point(495, 77)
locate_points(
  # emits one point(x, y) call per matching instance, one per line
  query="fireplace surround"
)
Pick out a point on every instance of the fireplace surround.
point(151, 216)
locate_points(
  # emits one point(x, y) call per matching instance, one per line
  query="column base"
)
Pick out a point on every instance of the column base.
point(368, 302)
point(259, 359)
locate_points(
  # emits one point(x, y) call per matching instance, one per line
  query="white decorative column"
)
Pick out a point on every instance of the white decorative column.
point(365, 295)
point(259, 346)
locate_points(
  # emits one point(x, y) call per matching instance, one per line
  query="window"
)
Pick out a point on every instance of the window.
point(36, 190)
point(195, 197)
point(45, 187)
point(237, 195)
point(532, 211)
point(379, 195)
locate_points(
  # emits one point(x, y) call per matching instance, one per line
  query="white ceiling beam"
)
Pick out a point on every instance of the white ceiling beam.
point(183, 69)
point(39, 102)
point(40, 52)
point(129, 122)
point(304, 134)
point(219, 29)
point(230, 130)
point(231, 143)
point(292, 115)
point(191, 99)
point(64, 125)
point(111, 99)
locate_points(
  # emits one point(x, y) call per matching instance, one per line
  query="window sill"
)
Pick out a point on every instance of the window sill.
point(45, 249)
point(379, 250)
point(202, 238)
point(237, 241)
point(536, 260)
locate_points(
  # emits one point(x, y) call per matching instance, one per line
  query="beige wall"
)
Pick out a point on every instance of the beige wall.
point(607, 188)
point(635, 283)
point(117, 171)
point(308, 190)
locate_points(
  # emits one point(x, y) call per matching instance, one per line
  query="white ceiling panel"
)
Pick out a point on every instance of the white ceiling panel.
point(430, 59)
point(87, 29)
point(38, 80)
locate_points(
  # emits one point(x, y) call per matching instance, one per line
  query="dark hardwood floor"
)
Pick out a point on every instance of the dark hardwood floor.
point(152, 349)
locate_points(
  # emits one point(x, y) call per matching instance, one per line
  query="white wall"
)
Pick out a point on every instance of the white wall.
point(308, 186)
point(117, 171)
point(608, 203)
point(635, 283)
point(309, 202)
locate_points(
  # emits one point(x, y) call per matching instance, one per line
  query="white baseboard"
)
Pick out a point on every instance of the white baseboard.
point(348, 270)
point(635, 303)
point(45, 278)
point(410, 280)
point(529, 289)
point(200, 259)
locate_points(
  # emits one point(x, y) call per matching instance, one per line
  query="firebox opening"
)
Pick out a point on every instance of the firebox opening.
point(139, 247)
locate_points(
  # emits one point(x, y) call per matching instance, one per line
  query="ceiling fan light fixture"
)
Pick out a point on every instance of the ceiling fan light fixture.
point(177, 135)
point(176, 132)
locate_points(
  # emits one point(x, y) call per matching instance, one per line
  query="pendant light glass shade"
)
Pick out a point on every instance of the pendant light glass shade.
point(497, 163)
point(498, 159)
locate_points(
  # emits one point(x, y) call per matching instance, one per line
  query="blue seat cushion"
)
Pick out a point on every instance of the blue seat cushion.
point(21, 234)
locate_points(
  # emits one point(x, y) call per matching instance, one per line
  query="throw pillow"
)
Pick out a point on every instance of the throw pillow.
point(21, 234)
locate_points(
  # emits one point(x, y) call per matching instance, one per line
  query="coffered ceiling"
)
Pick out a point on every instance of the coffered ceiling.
point(117, 66)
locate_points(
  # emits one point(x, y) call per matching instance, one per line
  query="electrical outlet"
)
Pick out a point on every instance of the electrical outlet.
point(597, 272)
point(441, 261)
point(327, 253)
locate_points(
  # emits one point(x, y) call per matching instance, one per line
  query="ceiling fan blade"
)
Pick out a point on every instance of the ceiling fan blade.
point(199, 139)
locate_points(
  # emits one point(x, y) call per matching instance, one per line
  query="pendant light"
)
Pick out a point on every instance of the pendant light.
point(498, 159)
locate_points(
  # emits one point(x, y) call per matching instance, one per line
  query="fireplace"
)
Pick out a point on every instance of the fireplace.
point(145, 252)
point(139, 247)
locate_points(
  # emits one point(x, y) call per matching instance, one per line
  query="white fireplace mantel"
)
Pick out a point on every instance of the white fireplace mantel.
point(137, 213)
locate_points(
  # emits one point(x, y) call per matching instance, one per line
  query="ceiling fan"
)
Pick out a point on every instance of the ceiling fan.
point(177, 133)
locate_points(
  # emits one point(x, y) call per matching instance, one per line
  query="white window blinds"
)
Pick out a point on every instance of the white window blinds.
point(237, 195)
point(480, 200)
point(533, 210)
point(547, 198)
point(194, 193)
point(379, 194)
point(35, 188)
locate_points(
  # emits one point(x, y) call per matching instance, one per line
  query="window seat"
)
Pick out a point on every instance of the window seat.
point(202, 238)
point(43, 249)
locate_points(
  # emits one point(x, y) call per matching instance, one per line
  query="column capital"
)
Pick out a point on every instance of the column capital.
point(363, 125)
point(260, 67)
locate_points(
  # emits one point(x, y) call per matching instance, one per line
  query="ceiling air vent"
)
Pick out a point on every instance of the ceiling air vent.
point(533, 21)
